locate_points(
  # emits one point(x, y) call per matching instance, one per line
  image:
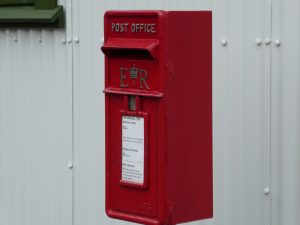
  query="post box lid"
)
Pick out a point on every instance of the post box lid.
point(118, 45)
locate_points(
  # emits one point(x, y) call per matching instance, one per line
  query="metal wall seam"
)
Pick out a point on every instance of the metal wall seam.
point(268, 98)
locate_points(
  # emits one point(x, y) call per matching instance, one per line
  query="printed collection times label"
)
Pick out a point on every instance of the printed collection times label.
point(133, 144)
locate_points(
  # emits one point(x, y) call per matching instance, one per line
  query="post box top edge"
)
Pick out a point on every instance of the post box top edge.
point(142, 13)
point(146, 13)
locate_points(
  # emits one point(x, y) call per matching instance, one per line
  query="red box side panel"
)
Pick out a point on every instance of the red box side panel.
point(189, 116)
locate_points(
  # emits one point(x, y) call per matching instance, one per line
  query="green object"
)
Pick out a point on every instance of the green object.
point(30, 13)
point(48, 4)
point(16, 2)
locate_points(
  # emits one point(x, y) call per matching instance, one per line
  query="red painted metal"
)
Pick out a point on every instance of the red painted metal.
point(164, 59)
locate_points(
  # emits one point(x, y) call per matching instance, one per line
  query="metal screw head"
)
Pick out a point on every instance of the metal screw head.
point(224, 42)
point(69, 40)
point(266, 191)
point(63, 41)
point(76, 39)
point(277, 42)
point(258, 42)
point(70, 165)
point(267, 41)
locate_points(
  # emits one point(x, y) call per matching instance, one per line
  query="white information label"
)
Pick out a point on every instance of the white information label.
point(133, 149)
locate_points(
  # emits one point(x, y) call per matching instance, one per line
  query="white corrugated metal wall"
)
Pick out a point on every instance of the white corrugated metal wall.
point(285, 141)
point(35, 126)
point(52, 113)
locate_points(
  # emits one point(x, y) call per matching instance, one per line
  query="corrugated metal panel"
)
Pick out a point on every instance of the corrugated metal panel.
point(286, 113)
point(42, 127)
point(88, 114)
point(35, 127)
point(241, 113)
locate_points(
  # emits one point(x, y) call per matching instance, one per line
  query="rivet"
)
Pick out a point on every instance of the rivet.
point(76, 39)
point(70, 165)
point(277, 42)
point(267, 41)
point(69, 40)
point(63, 41)
point(267, 191)
point(258, 41)
point(224, 42)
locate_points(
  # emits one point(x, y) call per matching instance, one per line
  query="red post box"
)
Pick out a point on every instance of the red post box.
point(158, 92)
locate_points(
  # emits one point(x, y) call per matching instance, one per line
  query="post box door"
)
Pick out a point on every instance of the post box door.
point(134, 191)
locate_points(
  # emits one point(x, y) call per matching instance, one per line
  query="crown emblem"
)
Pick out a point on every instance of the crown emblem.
point(133, 72)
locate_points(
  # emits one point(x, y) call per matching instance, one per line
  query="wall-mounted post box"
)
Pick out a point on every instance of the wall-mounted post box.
point(158, 92)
